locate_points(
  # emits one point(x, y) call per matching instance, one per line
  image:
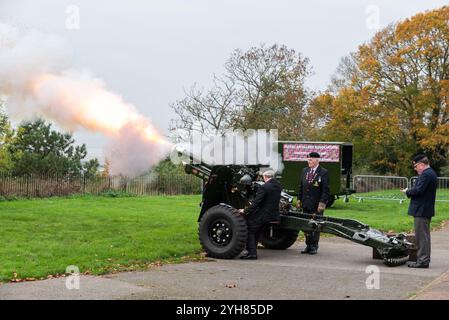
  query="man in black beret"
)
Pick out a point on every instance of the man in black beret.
point(313, 196)
point(422, 208)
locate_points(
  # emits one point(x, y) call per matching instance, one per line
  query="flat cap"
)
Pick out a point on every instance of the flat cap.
point(419, 158)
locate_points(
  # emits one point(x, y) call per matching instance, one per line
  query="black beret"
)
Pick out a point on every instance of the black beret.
point(314, 155)
point(419, 157)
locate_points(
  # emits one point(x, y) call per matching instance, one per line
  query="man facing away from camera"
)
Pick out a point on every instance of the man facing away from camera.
point(422, 208)
point(263, 210)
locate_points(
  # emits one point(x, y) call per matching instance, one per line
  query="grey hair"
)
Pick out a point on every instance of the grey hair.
point(268, 173)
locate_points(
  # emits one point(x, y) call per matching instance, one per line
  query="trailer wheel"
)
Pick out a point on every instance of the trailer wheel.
point(222, 232)
point(397, 261)
point(396, 257)
point(274, 237)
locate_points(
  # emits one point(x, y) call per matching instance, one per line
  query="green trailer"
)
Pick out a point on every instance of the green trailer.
point(336, 157)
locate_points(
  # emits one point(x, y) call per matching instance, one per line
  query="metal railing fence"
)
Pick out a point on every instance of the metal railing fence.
point(49, 185)
point(379, 187)
point(388, 187)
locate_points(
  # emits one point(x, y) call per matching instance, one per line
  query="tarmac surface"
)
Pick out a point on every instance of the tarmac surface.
point(341, 270)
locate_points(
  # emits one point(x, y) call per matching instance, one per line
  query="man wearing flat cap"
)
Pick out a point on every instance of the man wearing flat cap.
point(263, 210)
point(313, 196)
point(422, 208)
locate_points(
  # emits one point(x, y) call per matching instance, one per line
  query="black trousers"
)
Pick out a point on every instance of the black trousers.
point(254, 228)
point(312, 238)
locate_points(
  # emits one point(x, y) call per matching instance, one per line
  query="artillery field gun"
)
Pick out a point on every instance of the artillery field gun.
point(222, 230)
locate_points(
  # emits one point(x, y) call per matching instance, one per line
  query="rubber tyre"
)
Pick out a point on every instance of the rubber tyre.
point(231, 224)
point(398, 261)
point(281, 240)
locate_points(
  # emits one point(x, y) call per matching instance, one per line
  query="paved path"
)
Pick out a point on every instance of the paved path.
point(438, 289)
point(337, 272)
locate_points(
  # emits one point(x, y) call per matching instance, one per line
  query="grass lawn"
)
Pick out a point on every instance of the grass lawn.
point(42, 237)
point(442, 194)
point(385, 215)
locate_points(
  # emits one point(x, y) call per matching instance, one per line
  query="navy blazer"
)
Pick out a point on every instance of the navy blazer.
point(423, 195)
point(311, 194)
point(265, 206)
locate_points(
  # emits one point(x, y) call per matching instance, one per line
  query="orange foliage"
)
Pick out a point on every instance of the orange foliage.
point(396, 102)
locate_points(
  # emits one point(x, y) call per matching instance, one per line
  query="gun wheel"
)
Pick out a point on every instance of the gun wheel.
point(273, 237)
point(222, 232)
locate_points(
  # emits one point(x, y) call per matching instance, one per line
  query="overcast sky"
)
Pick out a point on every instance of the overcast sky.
point(150, 51)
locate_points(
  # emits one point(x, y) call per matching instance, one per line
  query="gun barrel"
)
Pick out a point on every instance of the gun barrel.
point(192, 165)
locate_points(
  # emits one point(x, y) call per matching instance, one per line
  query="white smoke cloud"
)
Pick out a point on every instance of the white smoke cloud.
point(37, 80)
point(232, 147)
point(130, 151)
point(23, 56)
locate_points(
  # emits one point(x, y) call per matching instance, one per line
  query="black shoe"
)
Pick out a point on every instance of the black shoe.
point(313, 251)
point(306, 250)
point(249, 257)
point(418, 265)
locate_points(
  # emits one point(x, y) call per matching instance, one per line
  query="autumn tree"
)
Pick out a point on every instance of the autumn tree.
point(106, 172)
point(262, 88)
point(203, 111)
point(271, 91)
point(391, 95)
